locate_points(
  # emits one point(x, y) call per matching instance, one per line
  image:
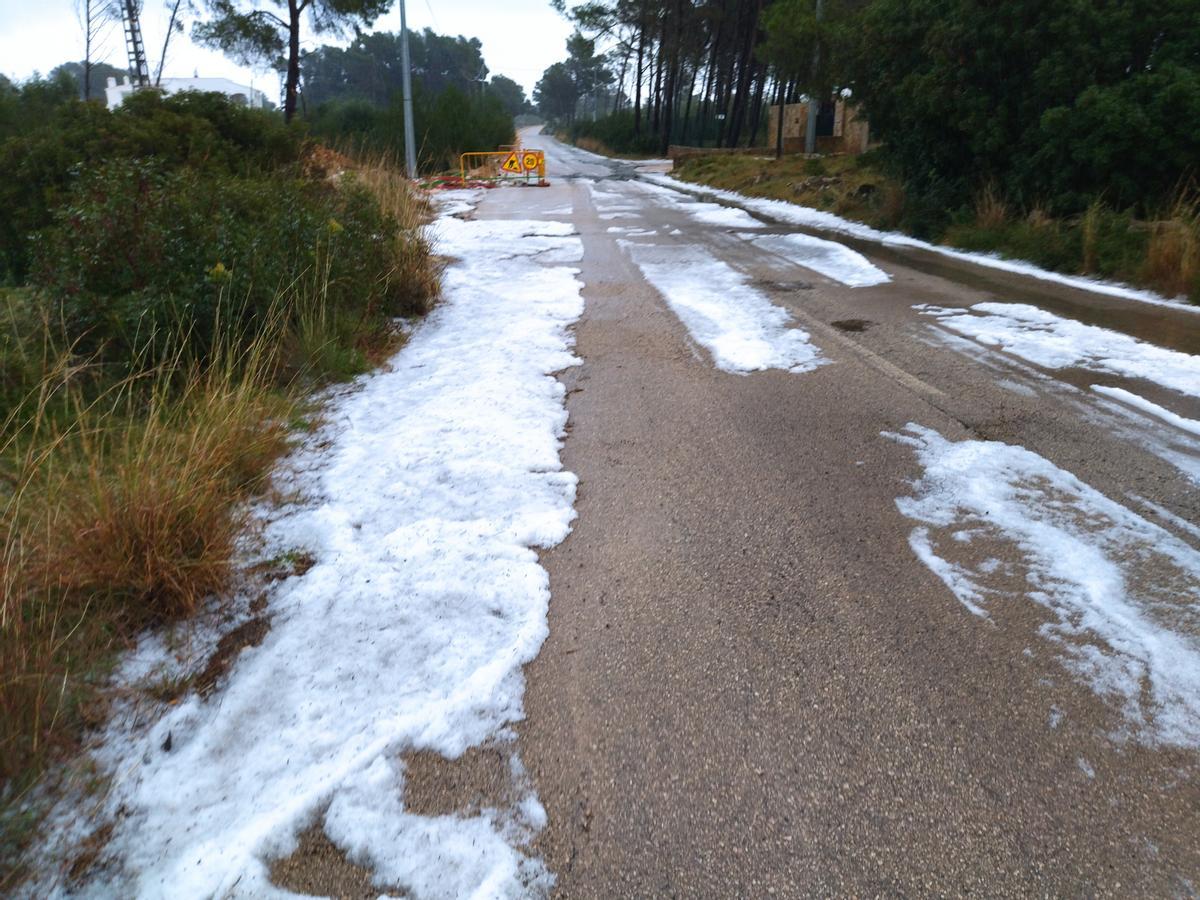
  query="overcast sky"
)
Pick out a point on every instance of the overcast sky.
point(520, 38)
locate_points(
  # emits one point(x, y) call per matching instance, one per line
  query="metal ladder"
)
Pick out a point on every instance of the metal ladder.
point(139, 69)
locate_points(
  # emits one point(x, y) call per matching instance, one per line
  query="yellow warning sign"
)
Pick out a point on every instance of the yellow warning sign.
point(530, 161)
point(512, 163)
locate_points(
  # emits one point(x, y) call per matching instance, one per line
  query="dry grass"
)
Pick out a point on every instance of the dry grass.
point(384, 177)
point(846, 185)
point(991, 210)
point(592, 145)
point(1090, 227)
point(121, 510)
point(1173, 253)
point(1039, 217)
point(141, 512)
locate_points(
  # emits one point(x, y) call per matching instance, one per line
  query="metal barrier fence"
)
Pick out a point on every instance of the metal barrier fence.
point(512, 164)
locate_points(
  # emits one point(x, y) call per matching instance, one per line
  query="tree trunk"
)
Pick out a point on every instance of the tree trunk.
point(705, 103)
point(162, 60)
point(672, 86)
point(710, 82)
point(87, 49)
point(658, 67)
point(746, 68)
point(641, 53)
point(756, 113)
point(687, 108)
point(292, 83)
point(620, 83)
point(724, 95)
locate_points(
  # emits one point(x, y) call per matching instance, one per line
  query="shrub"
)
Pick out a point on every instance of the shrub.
point(1059, 103)
point(199, 132)
point(1173, 250)
point(148, 263)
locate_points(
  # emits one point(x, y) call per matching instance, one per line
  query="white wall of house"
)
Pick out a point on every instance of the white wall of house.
point(115, 93)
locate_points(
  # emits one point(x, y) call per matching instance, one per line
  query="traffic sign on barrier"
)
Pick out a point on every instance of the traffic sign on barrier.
point(507, 161)
point(512, 163)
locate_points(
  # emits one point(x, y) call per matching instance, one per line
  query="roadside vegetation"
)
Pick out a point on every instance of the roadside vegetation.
point(1162, 253)
point(353, 97)
point(176, 277)
point(1066, 136)
point(612, 135)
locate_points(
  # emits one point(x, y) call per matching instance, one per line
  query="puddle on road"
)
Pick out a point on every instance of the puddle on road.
point(786, 287)
point(853, 325)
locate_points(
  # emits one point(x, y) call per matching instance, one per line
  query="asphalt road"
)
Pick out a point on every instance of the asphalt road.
point(752, 687)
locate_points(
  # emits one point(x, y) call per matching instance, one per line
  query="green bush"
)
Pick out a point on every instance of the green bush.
point(148, 262)
point(28, 106)
point(191, 275)
point(1135, 143)
point(201, 132)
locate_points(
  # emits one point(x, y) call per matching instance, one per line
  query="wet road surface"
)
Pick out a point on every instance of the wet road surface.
point(752, 685)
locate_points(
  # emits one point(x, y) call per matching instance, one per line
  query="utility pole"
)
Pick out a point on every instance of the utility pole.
point(410, 140)
point(814, 105)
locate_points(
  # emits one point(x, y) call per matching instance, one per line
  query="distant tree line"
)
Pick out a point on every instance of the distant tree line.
point(353, 93)
point(369, 69)
point(1057, 103)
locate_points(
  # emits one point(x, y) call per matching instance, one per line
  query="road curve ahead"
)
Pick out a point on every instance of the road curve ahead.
point(885, 577)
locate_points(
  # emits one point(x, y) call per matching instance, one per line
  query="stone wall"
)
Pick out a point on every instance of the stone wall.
point(851, 133)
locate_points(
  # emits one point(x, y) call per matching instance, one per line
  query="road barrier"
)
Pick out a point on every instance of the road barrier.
point(511, 164)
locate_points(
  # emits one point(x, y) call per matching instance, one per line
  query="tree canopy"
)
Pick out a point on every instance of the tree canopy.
point(1055, 103)
point(556, 92)
point(99, 75)
point(354, 93)
point(510, 94)
point(248, 33)
point(369, 67)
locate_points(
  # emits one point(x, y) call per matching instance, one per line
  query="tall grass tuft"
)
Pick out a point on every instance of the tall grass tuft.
point(1172, 262)
point(121, 508)
point(383, 176)
point(991, 210)
point(1090, 228)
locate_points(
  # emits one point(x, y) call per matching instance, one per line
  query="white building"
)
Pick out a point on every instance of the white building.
point(115, 93)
